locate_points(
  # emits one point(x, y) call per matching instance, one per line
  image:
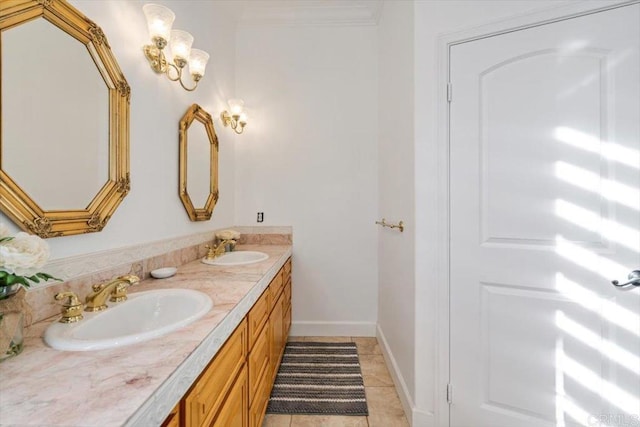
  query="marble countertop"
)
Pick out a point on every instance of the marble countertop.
point(135, 385)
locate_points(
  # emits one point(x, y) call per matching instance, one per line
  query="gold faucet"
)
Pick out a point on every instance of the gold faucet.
point(216, 251)
point(117, 288)
point(71, 308)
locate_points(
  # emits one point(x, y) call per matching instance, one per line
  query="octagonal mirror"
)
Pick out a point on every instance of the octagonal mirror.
point(64, 140)
point(198, 163)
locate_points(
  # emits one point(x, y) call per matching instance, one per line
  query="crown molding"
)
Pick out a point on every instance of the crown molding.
point(311, 13)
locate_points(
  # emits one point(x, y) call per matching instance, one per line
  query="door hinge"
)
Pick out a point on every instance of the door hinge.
point(449, 92)
point(449, 394)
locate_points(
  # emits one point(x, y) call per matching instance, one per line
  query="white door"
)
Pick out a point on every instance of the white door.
point(545, 213)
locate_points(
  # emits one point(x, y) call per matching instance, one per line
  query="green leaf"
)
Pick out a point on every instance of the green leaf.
point(46, 276)
point(3, 274)
point(12, 279)
point(5, 239)
point(34, 278)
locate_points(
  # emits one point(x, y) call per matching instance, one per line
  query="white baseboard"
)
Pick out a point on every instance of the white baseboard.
point(415, 416)
point(422, 418)
point(333, 329)
point(396, 376)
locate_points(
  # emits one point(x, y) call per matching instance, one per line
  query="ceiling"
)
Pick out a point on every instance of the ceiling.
point(310, 12)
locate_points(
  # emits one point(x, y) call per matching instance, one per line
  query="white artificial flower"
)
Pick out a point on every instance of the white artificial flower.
point(23, 252)
point(228, 235)
point(223, 235)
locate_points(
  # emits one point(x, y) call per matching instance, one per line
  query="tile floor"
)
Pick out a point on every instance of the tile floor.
point(385, 409)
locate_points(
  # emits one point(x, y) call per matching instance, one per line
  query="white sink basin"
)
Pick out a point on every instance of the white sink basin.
point(237, 258)
point(145, 315)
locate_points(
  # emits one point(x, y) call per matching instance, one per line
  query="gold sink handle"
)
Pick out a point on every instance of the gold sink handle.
point(211, 252)
point(119, 293)
point(71, 308)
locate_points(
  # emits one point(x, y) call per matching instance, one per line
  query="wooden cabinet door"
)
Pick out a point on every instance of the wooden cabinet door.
point(173, 419)
point(286, 325)
point(277, 338)
point(208, 392)
point(286, 304)
point(259, 357)
point(235, 410)
point(260, 401)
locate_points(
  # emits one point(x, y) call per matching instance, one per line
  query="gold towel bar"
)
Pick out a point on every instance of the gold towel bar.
point(399, 225)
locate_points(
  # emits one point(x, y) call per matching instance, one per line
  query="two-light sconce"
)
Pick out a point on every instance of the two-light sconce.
point(236, 118)
point(159, 22)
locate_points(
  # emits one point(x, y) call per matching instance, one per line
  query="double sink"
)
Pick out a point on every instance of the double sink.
point(144, 316)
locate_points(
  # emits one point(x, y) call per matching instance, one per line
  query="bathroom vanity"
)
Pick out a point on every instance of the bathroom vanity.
point(234, 389)
point(218, 370)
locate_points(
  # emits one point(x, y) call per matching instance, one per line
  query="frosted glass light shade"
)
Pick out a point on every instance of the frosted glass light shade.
point(181, 42)
point(243, 117)
point(236, 106)
point(198, 62)
point(159, 21)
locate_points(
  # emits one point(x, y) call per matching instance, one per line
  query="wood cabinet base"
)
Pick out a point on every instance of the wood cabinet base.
point(234, 389)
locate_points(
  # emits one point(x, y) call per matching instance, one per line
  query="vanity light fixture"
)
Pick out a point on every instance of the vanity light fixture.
point(237, 118)
point(159, 22)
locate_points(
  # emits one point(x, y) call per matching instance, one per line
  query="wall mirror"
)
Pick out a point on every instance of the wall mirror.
point(198, 163)
point(64, 128)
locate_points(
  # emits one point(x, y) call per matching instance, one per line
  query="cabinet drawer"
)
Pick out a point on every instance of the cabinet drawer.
point(260, 401)
point(286, 271)
point(258, 316)
point(235, 410)
point(287, 267)
point(209, 391)
point(258, 361)
point(276, 285)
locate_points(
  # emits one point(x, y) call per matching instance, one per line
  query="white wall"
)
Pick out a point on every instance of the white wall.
point(308, 158)
point(152, 210)
point(396, 294)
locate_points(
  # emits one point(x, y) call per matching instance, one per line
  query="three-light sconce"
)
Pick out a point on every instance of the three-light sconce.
point(159, 22)
point(236, 118)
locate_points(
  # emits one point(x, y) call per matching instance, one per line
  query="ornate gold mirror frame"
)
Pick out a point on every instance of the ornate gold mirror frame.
point(195, 112)
point(14, 201)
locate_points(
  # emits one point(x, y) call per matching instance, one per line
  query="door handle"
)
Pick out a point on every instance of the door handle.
point(634, 279)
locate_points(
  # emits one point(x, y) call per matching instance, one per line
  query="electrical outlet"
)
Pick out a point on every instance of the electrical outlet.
point(260, 216)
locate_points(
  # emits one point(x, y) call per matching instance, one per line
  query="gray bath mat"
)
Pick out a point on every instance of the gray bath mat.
point(317, 378)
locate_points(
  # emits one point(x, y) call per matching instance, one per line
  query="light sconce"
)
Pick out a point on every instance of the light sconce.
point(237, 119)
point(159, 22)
